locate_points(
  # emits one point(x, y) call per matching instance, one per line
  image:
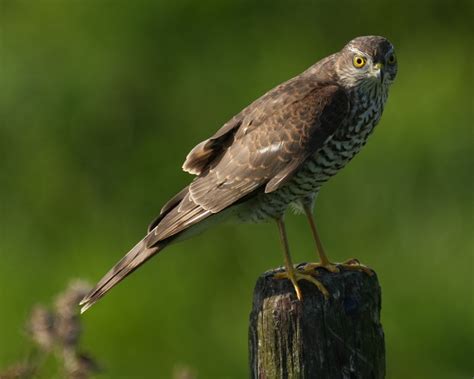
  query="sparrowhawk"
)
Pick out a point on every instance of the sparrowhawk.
point(276, 152)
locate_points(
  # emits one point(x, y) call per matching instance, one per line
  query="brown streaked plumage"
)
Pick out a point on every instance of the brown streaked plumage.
point(277, 151)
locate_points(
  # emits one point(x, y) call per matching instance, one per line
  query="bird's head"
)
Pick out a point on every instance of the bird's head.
point(367, 61)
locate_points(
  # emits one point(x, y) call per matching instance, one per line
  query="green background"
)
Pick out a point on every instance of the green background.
point(100, 101)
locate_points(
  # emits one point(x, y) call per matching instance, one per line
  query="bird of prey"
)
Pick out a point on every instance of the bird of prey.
point(276, 152)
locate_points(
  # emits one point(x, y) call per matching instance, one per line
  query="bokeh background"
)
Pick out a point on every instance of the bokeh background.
point(100, 101)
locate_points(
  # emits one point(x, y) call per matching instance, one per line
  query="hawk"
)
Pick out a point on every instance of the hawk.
point(276, 152)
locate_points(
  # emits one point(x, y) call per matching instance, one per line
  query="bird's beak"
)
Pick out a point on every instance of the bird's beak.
point(379, 66)
point(380, 71)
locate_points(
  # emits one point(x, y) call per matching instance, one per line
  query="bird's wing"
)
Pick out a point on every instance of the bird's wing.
point(270, 146)
point(259, 148)
point(205, 153)
point(262, 148)
point(170, 204)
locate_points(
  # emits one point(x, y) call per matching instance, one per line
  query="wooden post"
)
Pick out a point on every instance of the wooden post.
point(337, 338)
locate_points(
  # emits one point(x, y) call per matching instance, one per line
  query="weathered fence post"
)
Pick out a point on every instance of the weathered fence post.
point(337, 338)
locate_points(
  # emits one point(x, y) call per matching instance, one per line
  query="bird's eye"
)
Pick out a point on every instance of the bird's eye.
point(358, 61)
point(391, 59)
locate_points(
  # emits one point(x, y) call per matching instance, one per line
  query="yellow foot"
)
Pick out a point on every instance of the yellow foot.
point(351, 264)
point(296, 276)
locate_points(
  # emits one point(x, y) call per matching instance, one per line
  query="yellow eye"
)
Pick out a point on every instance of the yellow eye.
point(358, 61)
point(391, 59)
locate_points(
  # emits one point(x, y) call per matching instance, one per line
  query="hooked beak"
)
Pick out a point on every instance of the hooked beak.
point(380, 70)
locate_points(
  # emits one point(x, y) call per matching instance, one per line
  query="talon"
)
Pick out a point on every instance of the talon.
point(281, 275)
point(354, 265)
point(296, 277)
point(352, 261)
point(351, 265)
point(331, 267)
point(316, 282)
point(297, 288)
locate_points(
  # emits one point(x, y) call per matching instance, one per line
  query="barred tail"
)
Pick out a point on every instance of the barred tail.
point(178, 215)
point(129, 263)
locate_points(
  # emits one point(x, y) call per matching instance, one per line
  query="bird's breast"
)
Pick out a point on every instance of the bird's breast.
point(336, 152)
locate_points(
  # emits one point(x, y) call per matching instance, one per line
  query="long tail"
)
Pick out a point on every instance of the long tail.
point(129, 263)
point(178, 215)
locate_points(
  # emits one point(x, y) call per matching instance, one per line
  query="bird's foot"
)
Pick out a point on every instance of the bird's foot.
point(296, 276)
point(350, 265)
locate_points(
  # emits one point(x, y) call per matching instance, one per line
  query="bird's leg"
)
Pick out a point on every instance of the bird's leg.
point(324, 261)
point(290, 273)
point(351, 264)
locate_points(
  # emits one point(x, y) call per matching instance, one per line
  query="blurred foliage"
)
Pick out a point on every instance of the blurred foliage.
point(55, 335)
point(100, 101)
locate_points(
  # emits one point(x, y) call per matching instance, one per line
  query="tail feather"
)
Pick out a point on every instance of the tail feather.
point(181, 214)
point(129, 263)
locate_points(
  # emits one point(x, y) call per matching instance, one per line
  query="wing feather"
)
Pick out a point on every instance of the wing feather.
point(206, 151)
point(261, 147)
point(173, 202)
point(268, 150)
point(181, 217)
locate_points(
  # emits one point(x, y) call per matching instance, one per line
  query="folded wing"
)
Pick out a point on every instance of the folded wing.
point(269, 147)
point(259, 149)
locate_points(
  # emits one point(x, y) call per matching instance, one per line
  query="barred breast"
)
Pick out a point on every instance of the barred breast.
point(324, 163)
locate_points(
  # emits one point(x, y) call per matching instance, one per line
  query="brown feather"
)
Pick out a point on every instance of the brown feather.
point(259, 148)
point(138, 255)
point(181, 217)
point(273, 146)
point(169, 205)
point(205, 152)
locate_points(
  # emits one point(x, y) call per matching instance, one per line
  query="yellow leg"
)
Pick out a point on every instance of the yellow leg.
point(290, 273)
point(351, 264)
point(319, 246)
